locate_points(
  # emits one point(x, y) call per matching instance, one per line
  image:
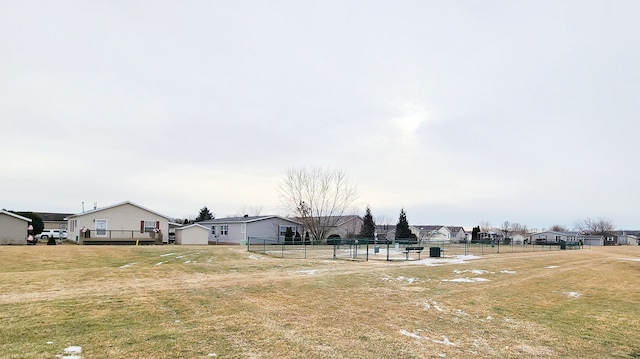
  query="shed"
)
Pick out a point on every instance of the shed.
point(13, 228)
point(192, 234)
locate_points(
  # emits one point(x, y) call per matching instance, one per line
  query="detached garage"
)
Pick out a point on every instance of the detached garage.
point(192, 234)
point(13, 228)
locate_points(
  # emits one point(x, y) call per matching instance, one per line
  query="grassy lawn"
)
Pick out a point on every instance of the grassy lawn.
point(224, 302)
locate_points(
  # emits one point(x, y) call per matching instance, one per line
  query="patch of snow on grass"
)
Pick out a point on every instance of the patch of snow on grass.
point(630, 259)
point(168, 254)
point(472, 271)
point(444, 260)
point(187, 262)
point(71, 352)
point(551, 267)
point(128, 265)
point(409, 334)
point(572, 294)
point(466, 280)
point(400, 279)
point(434, 304)
point(310, 271)
point(444, 341)
point(212, 355)
point(159, 263)
point(508, 271)
point(255, 257)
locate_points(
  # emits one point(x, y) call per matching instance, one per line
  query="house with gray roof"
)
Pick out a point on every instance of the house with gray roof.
point(238, 230)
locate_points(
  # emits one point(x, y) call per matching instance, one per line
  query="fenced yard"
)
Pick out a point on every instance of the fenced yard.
point(225, 302)
point(366, 250)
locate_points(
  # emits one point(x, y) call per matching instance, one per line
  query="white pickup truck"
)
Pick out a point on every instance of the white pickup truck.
point(52, 233)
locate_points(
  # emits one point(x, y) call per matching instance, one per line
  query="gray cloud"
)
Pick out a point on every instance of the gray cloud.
point(459, 112)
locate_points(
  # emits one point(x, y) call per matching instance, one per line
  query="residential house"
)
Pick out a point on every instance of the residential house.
point(54, 220)
point(192, 234)
point(385, 231)
point(13, 228)
point(490, 236)
point(238, 230)
point(554, 237)
point(123, 223)
point(458, 234)
point(427, 233)
point(346, 226)
point(628, 237)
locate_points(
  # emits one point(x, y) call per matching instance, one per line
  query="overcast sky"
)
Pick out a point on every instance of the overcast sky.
point(460, 112)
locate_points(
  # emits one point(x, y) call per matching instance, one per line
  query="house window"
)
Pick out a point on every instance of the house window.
point(557, 238)
point(149, 226)
point(283, 230)
point(243, 228)
point(224, 230)
point(213, 230)
point(101, 227)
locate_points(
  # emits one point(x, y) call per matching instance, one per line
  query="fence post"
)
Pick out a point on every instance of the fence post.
point(367, 257)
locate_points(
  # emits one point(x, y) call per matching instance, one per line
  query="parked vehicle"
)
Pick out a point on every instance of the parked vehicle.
point(52, 233)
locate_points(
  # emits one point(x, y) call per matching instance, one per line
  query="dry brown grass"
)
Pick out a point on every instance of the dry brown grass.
point(190, 302)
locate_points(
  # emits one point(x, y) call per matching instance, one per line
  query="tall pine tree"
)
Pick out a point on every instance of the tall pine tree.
point(204, 215)
point(368, 228)
point(402, 228)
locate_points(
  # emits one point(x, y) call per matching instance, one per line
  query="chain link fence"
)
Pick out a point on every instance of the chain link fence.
point(395, 250)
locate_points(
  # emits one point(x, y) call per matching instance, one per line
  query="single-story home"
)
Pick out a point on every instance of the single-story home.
point(192, 234)
point(13, 228)
point(238, 230)
point(628, 237)
point(437, 233)
point(345, 226)
point(554, 237)
point(54, 220)
point(121, 223)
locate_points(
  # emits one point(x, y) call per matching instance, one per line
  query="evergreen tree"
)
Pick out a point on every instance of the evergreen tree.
point(204, 215)
point(402, 228)
point(36, 221)
point(297, 239)
point(474, 234)
point(288, 236)
point(368, 228)
point(307, 240)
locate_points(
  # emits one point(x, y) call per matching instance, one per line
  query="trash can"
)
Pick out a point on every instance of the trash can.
point(434, 251)
point(563, 245)
point(376, 249)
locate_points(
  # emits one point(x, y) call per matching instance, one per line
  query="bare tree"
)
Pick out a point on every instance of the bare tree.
point(518, 228)
point(249, 211)
point(558, 228)
point(318, 197)
point(506, 229)
point(485, 226)
point(600, 226)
